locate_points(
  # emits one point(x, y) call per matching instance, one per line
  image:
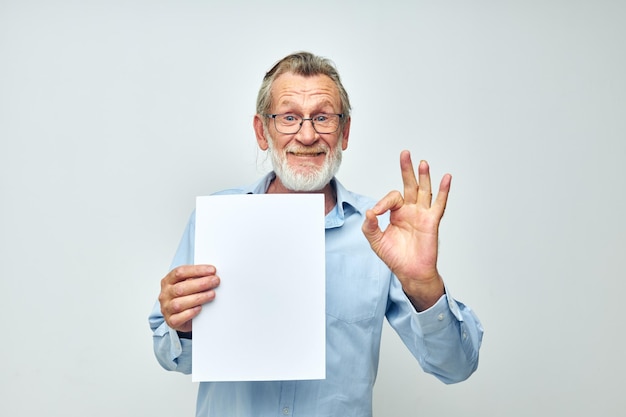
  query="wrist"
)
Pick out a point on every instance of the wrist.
point(424, 295)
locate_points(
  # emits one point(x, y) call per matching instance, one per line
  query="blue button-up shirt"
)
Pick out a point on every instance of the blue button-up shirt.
point(360, 292)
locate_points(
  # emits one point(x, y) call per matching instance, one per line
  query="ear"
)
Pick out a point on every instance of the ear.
point(259, 131)
point(345, 133)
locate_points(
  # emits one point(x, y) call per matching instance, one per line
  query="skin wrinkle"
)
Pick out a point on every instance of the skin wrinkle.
point(309, 177)
point(305, 161)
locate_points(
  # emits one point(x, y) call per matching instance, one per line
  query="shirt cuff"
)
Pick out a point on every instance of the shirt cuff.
point(440, 315)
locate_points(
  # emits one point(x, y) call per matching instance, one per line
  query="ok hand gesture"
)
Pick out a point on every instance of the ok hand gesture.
point(409, 243)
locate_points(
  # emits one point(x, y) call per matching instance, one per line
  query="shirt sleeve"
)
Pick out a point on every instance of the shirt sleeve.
point(445, 339)
point(172, 352)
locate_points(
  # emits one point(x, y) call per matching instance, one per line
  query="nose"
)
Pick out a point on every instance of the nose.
point(307, 134)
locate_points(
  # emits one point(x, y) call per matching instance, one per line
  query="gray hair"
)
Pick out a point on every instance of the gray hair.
point(307, 65)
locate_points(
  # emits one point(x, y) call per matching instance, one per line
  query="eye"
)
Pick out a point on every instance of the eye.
point(321, 118)
point(290, 118)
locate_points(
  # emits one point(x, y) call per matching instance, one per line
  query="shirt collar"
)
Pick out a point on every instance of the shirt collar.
point(345, 207)
point(347, 202)
point(261, 186)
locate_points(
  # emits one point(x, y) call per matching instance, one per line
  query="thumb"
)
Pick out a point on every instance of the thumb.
point(370, 228)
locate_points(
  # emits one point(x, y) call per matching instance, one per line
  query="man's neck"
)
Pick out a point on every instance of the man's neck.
point(330, 196)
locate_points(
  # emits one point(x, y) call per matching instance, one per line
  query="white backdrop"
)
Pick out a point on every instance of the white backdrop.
point(114, 115)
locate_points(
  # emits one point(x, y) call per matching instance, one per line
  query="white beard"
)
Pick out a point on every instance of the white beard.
point(305, 178)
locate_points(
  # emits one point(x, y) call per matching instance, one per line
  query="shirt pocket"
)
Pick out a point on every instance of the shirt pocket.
point(352, 287)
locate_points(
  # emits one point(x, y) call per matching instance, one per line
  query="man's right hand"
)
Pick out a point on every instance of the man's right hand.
point(183, 292)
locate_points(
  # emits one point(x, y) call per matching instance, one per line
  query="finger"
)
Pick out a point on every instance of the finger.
point(392, 201)
point(370, 228)
point(442, 195)
point(370, 224)
point(187, 294)
point(179, 312)
point(189, 302)
point(408, 177)
point(425, 193)
point(184, 272)
point(182, 321)
point(194, 286)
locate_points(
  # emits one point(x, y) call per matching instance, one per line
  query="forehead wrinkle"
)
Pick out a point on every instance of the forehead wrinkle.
point(306, 102)
point(299, 91)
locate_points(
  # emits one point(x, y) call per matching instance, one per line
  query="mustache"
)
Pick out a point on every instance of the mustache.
point(307, 150)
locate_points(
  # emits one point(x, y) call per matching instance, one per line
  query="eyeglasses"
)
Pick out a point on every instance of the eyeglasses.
point(290, 124)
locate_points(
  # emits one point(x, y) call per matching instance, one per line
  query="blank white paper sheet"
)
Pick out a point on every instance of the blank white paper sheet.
point(267, 321)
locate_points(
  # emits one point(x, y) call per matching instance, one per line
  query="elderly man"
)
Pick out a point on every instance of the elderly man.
point(373, 270)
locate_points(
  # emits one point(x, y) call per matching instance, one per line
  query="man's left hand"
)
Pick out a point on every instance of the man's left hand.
point(409, 243)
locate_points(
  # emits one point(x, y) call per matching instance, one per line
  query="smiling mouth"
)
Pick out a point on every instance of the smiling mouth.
point(307, 153)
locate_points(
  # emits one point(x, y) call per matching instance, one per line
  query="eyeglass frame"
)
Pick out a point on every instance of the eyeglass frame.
point(304, 119)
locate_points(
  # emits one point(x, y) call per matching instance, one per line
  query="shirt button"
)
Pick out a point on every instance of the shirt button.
point(464, 335)
point(286, 410)
point(440, 317)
